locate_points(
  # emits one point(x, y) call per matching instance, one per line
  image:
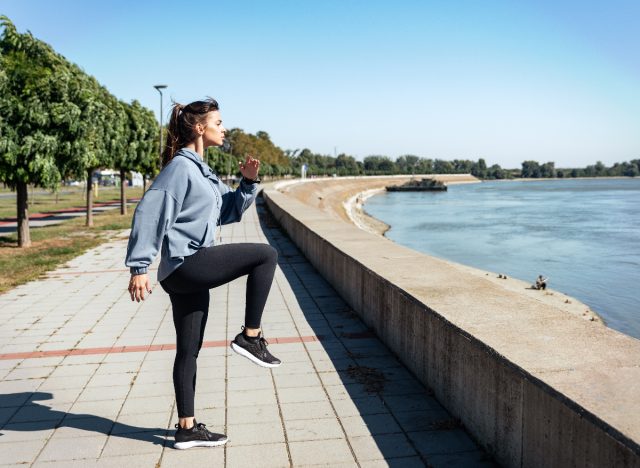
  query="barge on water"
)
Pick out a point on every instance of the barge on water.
point(423, 185)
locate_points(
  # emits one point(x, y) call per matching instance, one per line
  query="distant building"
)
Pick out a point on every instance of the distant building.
point(137, 180)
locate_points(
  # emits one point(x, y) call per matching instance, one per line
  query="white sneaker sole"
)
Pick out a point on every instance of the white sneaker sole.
point(198, 443)
point(243, 352)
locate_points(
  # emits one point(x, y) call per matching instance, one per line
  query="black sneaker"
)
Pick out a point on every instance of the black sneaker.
point(197, 436)
point(254, 349)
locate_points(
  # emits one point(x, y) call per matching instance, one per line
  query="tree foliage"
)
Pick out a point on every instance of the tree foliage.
point(57, 122)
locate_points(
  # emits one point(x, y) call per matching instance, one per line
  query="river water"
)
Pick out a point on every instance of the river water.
point(584, 234)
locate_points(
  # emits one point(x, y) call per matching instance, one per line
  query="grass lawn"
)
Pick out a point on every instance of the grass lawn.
point(54, 245)
point(41, 201)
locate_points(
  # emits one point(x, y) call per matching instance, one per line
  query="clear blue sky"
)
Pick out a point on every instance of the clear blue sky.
point(507, 81)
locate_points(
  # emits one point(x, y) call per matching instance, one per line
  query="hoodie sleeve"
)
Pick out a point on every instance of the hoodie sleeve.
point(154, 216)
point(235, 202)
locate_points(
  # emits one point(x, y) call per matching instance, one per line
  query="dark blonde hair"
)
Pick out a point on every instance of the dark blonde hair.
point(182, 124)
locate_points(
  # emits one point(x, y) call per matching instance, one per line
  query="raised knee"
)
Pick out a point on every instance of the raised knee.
point(272, 254)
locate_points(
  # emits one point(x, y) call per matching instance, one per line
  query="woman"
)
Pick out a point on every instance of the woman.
point(179, 214)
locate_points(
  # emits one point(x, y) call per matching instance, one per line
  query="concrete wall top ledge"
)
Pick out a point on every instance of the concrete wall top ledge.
point(587, 364)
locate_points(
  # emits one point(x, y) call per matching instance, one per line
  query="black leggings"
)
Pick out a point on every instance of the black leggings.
point(188, 287)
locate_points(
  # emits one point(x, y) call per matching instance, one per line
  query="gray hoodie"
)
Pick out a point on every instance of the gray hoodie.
point(180, 212)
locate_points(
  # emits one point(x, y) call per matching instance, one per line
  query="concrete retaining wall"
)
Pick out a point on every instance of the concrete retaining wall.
point(535, 386)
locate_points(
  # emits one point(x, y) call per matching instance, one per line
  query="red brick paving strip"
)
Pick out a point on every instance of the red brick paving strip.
point(141, 348)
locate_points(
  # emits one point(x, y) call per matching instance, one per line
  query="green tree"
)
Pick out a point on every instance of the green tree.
point(442, 167)
point(530, 169)
point(258, 145)
point(138, 145)
point(548, 170)
point(479, 169)
point(376, 165)
point(346, 165)
point(407, 164)
point(425, 166)
point(496, 172)
point(34, 123)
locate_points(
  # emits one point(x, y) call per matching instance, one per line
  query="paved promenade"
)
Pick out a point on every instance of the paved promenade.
point(86, 376)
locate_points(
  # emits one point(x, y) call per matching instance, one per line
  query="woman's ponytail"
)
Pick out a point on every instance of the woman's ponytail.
point(173, 132)
point(182, 123)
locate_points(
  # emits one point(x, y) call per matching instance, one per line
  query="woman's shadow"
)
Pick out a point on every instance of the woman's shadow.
point(41, 417)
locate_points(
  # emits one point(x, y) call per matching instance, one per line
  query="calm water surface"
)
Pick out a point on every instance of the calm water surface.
point(582, 234)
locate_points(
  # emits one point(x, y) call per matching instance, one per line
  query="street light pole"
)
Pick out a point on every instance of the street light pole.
point(160, 88)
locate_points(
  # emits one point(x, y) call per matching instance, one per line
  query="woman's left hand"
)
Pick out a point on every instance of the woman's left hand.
point(249, 169)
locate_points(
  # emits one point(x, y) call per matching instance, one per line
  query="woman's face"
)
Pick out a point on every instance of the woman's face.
point(214, 133)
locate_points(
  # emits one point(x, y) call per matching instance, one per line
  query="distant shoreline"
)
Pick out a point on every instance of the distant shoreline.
point(540, 179)
point(344, 198)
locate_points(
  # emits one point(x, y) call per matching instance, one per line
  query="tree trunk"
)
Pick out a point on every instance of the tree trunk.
point(89, 198)
point(144, 183)
point(24, 236)
point(123, 198)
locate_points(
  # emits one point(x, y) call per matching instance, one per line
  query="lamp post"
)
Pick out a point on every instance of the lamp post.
point(160, 88)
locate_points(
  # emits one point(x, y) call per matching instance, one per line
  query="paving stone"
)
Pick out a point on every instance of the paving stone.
point(289, 357)
point(334, 365)
point(470, 459)
point(349, 391)
point(301, 394)
point(72, 448)
point(63, 383)
point(417, 402)
point(328, 452)
point(127, 423)
point(155, 404)
point(83, 427)
point(56, 398)
point(18, 453)
point(412, 421)
point(360, 406)
point(402, 387)
point(404, 462)
point(255, 414)
point(37, 412)
point(79, 463)
point(441, 442)
point(205, 400)
point(251, 397)
point(126, 367)
point(254, 383)
point(131, 461)
point(313, 429)
point(295, 380)
point(150, 390)
point(255, 434)
point(7, 413)
point(135, 443)
point(29, 373)
point(172, 458)
point(104, 409)
point(39, 362)
point(371, 424)
point(336, 378)
point(128, 378)
point(307, 410)
point(18, 386)
point(74, 370)
point(116, 392)
point(381, 447)
point(26, 431)
point(265, 455)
